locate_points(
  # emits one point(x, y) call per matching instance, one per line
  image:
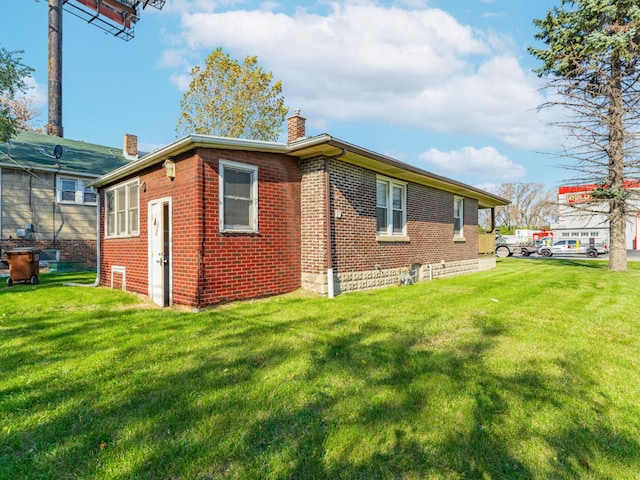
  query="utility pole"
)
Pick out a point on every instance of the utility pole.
point(54, 127)
point(116, 17)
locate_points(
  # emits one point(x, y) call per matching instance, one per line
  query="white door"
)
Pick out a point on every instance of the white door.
point(160, 252)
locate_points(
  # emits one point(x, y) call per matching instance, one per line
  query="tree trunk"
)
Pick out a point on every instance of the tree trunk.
point(617, 211)
point(617, 237)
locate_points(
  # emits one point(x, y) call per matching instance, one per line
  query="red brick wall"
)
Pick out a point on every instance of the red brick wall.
point(132, 252)
point(242, 266)
point(429, 224)
point(210, 267)
point(233, 266)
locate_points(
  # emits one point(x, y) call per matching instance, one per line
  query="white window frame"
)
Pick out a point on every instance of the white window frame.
point(79, 189)
point(458, 201)
point(252, 227)
point(391, 184)
point(131, 212)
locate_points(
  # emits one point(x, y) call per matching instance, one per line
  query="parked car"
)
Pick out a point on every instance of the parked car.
point(506, 246)
point(573, 247)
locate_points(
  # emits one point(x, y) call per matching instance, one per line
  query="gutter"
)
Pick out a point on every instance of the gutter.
point(307, 148)
point(185, 144)
point(389, 166)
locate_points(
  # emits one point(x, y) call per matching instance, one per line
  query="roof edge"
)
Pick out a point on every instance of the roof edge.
point(300, 149)
point(185, 144)
point(300, 146)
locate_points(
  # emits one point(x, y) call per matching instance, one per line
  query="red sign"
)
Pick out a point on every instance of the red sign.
point(542, 234)
point(582, 191)
point(579, 198)
point(114, 10)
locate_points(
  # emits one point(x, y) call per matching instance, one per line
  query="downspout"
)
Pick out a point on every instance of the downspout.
point(98, 244)
point(1, 206)
point(200, 257)
point(53, 210)
point(327, 206)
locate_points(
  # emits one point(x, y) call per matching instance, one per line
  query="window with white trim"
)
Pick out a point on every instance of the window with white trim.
point(458, 217)
point(122, 210)
point(75, 190)
point(391, 207)
point(238, 197)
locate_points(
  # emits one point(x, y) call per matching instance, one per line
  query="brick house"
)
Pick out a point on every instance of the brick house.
point(206, 220)
point(45, 198)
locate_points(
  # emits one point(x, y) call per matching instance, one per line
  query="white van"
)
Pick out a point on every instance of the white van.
point(573, 247)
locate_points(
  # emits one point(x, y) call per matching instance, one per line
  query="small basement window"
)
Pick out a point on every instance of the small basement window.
point(49, 255)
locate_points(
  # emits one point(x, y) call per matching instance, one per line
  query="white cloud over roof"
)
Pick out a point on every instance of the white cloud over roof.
point(483, 163)
point(362, 60)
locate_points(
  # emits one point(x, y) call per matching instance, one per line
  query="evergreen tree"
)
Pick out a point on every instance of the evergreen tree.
point(591, 63)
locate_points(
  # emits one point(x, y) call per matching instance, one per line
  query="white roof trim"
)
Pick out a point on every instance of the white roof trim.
point(185, 144)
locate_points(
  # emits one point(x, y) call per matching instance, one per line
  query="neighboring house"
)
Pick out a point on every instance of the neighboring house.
point(45, 198)
point(206, 220)
point(577, 222)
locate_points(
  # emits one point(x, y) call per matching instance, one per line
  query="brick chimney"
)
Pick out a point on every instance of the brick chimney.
point(295, 127)
point(130, 148)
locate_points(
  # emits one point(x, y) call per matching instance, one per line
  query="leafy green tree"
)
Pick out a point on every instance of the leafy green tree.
point(12, 80)
point(230, 99)
point(591, 62)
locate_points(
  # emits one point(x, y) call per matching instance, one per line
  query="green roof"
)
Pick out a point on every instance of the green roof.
point(36, 151)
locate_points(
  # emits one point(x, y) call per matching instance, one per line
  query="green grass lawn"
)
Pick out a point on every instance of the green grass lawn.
point(528, 371)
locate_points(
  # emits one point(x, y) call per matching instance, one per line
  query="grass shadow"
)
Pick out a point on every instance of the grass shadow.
point(310, 388)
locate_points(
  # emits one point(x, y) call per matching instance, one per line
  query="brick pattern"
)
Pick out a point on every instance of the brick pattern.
point(355, 247)
point(296, 127)
point(290, 249)
point(429, 224)
point(210, 267)
point(242, 266)
point(366, 280)
point(313, 222)
point(132, 252)
point(130, 145)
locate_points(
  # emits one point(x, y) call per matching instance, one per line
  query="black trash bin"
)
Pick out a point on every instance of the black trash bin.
point(24, 265)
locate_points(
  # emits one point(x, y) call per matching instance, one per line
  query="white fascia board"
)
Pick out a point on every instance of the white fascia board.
point(185, 144)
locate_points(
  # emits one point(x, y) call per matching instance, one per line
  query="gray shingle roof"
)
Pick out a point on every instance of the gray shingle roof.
point(35, 151)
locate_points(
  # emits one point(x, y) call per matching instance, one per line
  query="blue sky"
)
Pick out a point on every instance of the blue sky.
point(446, 85)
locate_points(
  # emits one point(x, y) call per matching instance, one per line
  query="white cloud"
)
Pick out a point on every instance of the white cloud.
point(182, 6)
point(144, 148)
point(498, 99)
point(181, 81)
point(413, 66)
point(484, 164)
point(173, 58)
point(488, 187)
point(36, 92)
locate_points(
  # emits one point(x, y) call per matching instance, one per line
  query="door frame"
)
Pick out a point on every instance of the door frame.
point(167, 270)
